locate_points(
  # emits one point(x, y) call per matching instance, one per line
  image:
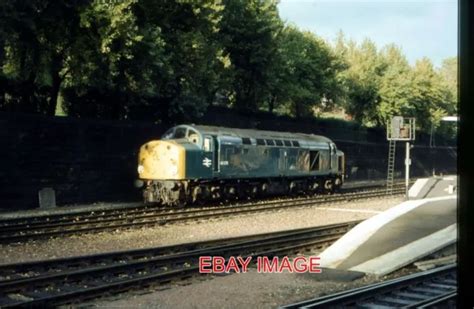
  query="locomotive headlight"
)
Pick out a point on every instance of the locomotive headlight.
point(140, 169)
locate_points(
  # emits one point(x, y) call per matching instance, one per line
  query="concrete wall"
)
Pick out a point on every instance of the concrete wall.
point(369, 160)
point(84, 161)
point(88, 161)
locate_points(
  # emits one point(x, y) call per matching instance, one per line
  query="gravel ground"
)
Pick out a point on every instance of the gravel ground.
point(247, 290)
point(190, 232)
point(69, 209)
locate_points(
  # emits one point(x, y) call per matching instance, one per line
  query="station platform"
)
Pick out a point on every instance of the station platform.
point(398, 236)
point(433, 187)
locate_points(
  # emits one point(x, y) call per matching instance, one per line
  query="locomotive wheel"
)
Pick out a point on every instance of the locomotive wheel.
point(254, 191)
point(337, 185)
point(329, 186)
point(197, 194)
point(231, 193)
point(293, 188)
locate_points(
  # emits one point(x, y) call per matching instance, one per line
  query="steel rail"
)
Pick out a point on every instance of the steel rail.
point(448, 300)
point(45, 230)
point(87, 215)
point(20, 270)
point(84, 277)
point(410, 291)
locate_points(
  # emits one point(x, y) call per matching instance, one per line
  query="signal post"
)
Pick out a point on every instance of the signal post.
point(400, 129)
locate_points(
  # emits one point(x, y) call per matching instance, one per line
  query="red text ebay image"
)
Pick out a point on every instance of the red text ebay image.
point(238, 264)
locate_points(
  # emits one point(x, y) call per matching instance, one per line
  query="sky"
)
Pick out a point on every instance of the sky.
point(422, 28)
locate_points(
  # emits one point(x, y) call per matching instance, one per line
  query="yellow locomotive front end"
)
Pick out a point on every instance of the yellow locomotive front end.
point(161, 166)
point(161, 160)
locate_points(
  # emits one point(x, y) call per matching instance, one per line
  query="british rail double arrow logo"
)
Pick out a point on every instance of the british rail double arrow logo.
point(207, 162)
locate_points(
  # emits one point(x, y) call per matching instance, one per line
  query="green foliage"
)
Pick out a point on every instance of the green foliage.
point(126, 54)
point(115, 57)
point(381, 84)
point(169, 60)
point(248, 32)
point(38, 38)
point(449, 80)
point(449, 74)
point(160, 55)
point(429, 98)
point(395, 86)
point(304, 75)
point(361, 78)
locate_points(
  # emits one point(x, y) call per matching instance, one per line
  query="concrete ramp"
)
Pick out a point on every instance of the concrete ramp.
point(396, 237)
point(409, 253)
point(436, 186)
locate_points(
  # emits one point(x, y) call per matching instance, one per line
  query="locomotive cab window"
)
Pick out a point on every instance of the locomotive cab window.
point(180, 133)
point(168, 134)
point(295, 143)
point(260, 142)
point(287, 143)
point(246, 141)
point(279, 143)
point(207, 143)
point(270, 142)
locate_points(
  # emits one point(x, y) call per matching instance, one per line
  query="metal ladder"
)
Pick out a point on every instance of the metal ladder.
point(391, 165)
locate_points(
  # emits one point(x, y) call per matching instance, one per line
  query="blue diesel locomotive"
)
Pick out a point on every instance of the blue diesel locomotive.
point(194, 163)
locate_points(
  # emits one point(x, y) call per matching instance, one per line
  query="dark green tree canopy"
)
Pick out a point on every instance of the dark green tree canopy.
point(248, 32)
point(169, 60)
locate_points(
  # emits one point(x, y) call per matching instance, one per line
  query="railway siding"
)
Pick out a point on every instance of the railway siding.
point(259, 222)
point(54, 282)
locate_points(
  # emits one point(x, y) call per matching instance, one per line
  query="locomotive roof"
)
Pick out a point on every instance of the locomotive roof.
point(250, 133)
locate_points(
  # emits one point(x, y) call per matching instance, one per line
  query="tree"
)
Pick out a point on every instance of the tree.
point(395, 89)
point(110, 58)
point(116, 62)
point(361, 79)
point(149, 59)
point(39, 37)
point(304, 75)
point(192, 53)
point(449, 74)
point(429, 96)
point(248, 32)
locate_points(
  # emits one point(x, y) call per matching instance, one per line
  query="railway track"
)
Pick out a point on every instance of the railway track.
point(59, 281)
point(428, 289)
point(134, 209)
point(26, 229)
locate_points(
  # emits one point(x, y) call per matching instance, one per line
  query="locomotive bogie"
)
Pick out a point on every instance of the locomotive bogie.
point(189, 192)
